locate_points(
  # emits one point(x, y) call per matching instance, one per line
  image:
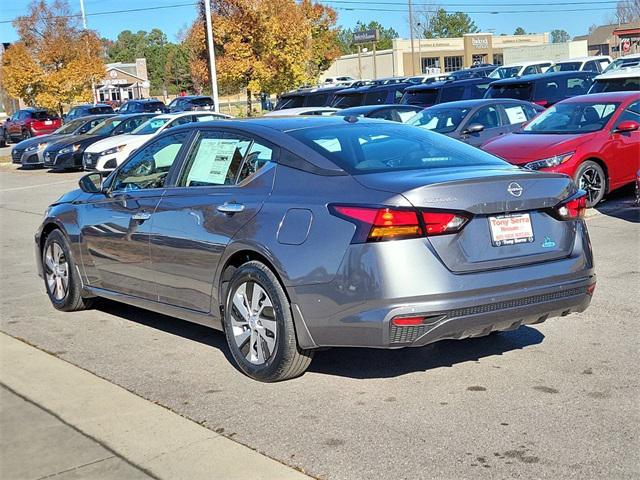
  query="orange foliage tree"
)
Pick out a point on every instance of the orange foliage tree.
point(264, 45)
point(55, 60)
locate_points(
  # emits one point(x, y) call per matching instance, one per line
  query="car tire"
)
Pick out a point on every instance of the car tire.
point(259, 328)
point(26, 134)
point(591, 178)
point(61, 277)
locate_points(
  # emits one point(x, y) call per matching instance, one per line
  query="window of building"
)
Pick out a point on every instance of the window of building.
point(478, 58)
point(452, 64)
point(429, 62)
point(498, 59)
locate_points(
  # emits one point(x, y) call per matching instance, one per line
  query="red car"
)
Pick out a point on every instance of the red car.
point(31, 122)
point(592, 138)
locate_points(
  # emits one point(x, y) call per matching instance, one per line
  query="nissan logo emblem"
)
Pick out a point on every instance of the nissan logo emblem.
point(515, 189)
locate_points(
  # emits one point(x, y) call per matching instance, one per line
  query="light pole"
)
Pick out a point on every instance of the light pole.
point(413, 60)
point(212, 56)
point(84, 25)
point(420, 48)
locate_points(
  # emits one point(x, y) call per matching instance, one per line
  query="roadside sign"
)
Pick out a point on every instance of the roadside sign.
point(366, 36)
point(625, 45)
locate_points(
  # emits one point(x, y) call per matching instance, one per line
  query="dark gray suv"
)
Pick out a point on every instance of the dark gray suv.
point(291, 234)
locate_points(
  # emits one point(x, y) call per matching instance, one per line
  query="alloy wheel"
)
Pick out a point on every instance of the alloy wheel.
point(592, 182)
point(254, 323)
point(56, 271)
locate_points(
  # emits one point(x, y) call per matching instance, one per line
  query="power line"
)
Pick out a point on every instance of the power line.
point(523, 4)
point(491, 12)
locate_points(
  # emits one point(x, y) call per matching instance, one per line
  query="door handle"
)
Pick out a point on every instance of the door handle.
point(141, 216)
point(230, 208)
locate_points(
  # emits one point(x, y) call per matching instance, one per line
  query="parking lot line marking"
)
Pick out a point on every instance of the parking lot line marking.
point(12, 189)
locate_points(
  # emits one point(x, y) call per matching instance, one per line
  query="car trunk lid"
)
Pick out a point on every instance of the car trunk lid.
point(496, 200)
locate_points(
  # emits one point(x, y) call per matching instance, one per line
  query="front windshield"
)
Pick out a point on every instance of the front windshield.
point(150, 126)
point(105, 127)
point(385, 147)
point(505, 72)
point(441, 120)
point(565, 67)
point(70, 127)
point(574, 117)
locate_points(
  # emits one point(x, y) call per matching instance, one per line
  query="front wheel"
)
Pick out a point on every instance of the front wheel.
point(26, 134)
point(259, 326)
point(61, 277)
point(591, 178)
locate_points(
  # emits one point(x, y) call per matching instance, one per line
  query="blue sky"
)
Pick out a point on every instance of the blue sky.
point(173, 19)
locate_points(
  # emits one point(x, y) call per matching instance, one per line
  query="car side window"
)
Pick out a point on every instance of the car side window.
point(215, 159)
point(259, 156)
point(577, 86)
point(180, 121)
point(132, 124)
point(530, 70)
point(632, 112)
point(591, 66)
point(487, 117)
point(150, 165)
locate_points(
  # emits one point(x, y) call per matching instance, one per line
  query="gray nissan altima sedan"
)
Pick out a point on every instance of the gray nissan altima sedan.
point(291, 234)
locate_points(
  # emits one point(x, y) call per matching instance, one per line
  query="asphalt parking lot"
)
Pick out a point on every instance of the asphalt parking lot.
point(558, 400)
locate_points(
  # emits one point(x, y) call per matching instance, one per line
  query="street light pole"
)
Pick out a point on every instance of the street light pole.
point(84, 25)
point(413, 60)
point(212, 57)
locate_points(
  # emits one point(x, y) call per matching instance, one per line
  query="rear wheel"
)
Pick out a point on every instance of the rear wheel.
point(26, 133)
point(61, 277)
point(259, 326)
point(591, 178)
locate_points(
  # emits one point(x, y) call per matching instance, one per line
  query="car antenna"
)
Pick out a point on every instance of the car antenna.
point(351, 119)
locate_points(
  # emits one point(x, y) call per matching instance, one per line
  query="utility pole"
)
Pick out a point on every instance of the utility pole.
point(212, 56)
point(419, 25)
point(84, 25)
point(413, 60)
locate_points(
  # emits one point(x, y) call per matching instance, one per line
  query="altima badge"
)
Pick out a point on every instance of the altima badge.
point(515, 189)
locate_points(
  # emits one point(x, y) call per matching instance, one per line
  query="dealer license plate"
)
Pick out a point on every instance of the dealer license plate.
point(510, 229)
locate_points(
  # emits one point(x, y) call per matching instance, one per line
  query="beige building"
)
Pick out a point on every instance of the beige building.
point(608, 39)
point(124, 81)
point(447, 54)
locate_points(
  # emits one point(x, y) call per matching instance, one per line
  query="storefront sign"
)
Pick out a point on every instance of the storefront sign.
point(368, 36)
point(480, 42)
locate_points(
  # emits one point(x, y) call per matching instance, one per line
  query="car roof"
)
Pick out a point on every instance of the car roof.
point(584, 59)
point(91, 105)
point(144, 100)
point(299, 111)
point(87, 118)
point(605, 97)
point(449, 83)
point(526, 64)
point(626, 72)
point(477, 102)
point(192, 97)
point(541, 76)
point(308, 91)
point(364, 109)
point(374, 88)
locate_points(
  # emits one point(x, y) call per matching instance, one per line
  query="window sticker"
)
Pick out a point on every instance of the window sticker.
point(213, 160)
point(515, 114)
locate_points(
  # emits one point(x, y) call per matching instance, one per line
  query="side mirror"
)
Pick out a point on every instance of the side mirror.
point(473, 128)
point(91, 182)
point(627, 126)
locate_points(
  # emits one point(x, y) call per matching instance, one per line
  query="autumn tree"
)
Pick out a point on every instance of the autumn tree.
point(54, 61)
point(264, 45)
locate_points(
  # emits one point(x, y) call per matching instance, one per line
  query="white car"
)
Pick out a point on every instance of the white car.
point(582, 64)
point(338, 80)
point(521, 68)
point(105, 155)
point(632, 60)
point(622, 80)
point(301, 111)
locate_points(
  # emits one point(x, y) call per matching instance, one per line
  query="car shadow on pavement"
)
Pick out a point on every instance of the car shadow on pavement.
point(621, 204)
point(358, 363)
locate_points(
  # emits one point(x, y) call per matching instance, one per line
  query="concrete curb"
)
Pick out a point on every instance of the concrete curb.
point(147, 435)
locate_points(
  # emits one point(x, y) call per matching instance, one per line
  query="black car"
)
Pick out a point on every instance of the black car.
point(476, 121)
point(88, 109)
point(146, 105)
point(189, 103)
point(473, 72)
point(394, 113)
point(66, 154)
point(369, 95)
point(30, 152)
point(543, 89)
point(447, 91)
point(308, 97)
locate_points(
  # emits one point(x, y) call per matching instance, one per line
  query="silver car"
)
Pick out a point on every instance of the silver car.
point(291, 234)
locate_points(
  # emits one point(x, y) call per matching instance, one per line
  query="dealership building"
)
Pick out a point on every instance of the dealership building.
point(123, 81)
point(447, 54)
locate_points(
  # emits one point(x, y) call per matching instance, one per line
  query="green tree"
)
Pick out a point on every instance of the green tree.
point(519, 31)
point(449, 25)
point(559, 36)
point(385, 36)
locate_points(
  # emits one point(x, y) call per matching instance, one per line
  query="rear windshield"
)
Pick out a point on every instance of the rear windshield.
point(99, 110)
point(347, 100)
point(420, 97)
point(152, 106)
point(565, 67)
point(43, 115)
point(519, 91)
point(201, 102)
point(293, 101)
point(317, 100)
point(368, 148)
point(616, 85)
point(441, 120)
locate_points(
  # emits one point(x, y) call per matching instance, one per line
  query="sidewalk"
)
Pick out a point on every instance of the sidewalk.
point(59, 421)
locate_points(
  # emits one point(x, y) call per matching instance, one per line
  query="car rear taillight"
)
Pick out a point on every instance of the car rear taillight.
point(375, 224)
point(571, 209)
point(542, 103)
point(441, 223)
